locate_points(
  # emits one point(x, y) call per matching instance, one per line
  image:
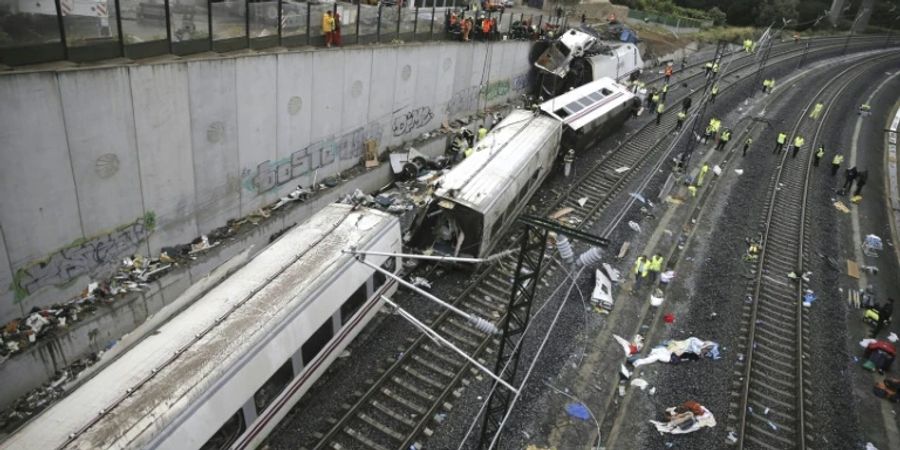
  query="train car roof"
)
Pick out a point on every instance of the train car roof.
point(211, 335)
point(585, 104)
point(497, 160)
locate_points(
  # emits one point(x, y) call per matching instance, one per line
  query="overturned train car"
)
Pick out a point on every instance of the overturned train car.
point(477, 201)
point(223, 372)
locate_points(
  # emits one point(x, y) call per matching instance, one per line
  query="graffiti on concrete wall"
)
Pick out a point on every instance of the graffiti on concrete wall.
point(269, 174)
point(322, 154)
point(411, 120)
point(467, 99)
point(82, 257)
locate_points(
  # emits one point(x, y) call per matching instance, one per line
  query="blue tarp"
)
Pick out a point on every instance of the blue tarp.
point(578, 411)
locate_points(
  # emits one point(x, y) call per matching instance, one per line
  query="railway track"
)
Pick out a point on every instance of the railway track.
point(400, 405)
point(771, 381)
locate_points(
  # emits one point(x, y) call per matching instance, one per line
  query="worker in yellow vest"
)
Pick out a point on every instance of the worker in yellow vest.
point(703, 170)
point(640, 271)
point(660, 109)
point(817, 111)
point(482, 132)
point(779, 142)
point(836, 163)
point(723, 140)
point(713, 93)
point(655, 267)
point(820, 153)
point(681, 117)
point(798, 142)
point(747, 145)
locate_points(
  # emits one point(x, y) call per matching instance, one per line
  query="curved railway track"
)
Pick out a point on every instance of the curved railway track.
point(772, 384)
point(400, 405)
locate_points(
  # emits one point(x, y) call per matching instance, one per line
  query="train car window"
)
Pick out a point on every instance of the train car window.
point(380, 278)
point(596, 96)
point(605, 91)
point(273, 386)
point(496, 228)
point(317, 341)
point(352, 304)
point(228, 433)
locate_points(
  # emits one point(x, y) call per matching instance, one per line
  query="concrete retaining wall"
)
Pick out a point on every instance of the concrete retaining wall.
point(92, 158)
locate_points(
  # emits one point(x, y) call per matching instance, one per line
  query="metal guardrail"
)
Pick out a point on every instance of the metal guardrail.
point(91, 30)
point(668, 20)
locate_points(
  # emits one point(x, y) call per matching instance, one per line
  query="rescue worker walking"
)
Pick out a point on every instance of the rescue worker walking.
point(713, 93)
point(686, 103)
point(779, 142)
point(723, 140)
point(715, 68)
point(849, 178)
point(817, 111)
point(820, 152)
point(748, 45)
point(665, 90)
point(660, 108)
point(655, 267)
point(668, 72)
point(681, 116)
point(641, 266)
point(798, 142)
point(708, 68)
point(884, 315)
point(703, 170)
point(747, 145)
point(861, 179)
point(836, 163)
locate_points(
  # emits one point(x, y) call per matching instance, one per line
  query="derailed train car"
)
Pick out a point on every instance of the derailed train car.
point(223, 372)
point(478, 199)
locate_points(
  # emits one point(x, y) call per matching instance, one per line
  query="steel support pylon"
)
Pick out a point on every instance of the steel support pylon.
point(532, 246)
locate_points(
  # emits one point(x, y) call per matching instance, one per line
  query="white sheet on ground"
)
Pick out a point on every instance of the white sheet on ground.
point(704, 420)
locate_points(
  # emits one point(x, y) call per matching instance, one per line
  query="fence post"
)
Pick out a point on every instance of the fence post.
point(308, 23)
point(209, 23)
point(167, 7)
point(378, 25)
point(280, 18)
point(358, 18)
point(122, 36)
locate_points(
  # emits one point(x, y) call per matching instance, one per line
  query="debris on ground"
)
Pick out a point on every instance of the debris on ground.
point(559, 214)
point(623, 169)
point(739, 171)
point(669, 318)
point(808, 298)
point(640, 383)
point(675, 351)
point(578, 411)
point(666, 277)
point(582, 201)
point(657, 298)
point(634, 226)
point(420, 282)
point(687, 418)
point(840, 206)
point(614, 275)
point(633, 347)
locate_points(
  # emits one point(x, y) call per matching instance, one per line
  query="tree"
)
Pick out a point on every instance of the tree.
point(718, 16)
point(773, 11)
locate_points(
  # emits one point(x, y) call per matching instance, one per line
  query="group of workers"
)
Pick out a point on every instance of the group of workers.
point(485, 28)
point(644, 267)
point(463, 143)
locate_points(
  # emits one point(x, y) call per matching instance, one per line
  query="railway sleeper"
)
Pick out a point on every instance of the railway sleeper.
point(764, 435)
point(424, 378)
point(432, 366)
point(359, 439)
point(397, 397)
point(765, 387)
point(380, 427)
point(410, 387)
point(396, 416)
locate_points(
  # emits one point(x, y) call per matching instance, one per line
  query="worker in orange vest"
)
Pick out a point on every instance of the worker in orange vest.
point(485, 28)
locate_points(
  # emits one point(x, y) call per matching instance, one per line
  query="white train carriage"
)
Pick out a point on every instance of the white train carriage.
point(591, 112)
point(476, 201)
point(225, 371)
point(577, 58)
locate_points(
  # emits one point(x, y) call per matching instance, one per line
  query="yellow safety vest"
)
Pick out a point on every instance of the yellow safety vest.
point(837, 160)
point(820, 152)
point(681, 115)
point(482, 132)
point(656, 264)
point(469, 151)
point(726, 136)
point(798, 141)
point(640, 266)
point(660, 108)
point(704, 169)
point(781, 138)
point(715, 89)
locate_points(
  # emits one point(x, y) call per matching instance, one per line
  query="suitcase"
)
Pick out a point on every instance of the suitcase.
point(892, 383)
point(882, 391)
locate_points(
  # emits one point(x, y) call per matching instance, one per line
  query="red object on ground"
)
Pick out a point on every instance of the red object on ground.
point(882, 345)
point(669, 318)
